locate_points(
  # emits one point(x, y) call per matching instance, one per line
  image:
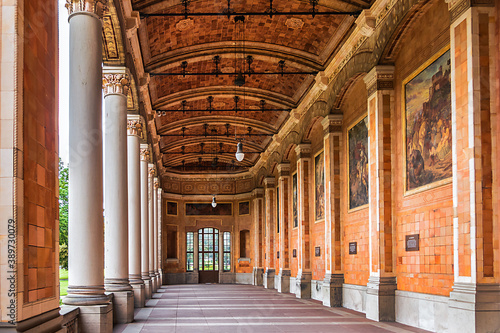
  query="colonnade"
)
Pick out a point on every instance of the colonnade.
point(114, 259)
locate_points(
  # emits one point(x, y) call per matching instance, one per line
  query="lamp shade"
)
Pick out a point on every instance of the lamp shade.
point(214, 203)
point(239, 152)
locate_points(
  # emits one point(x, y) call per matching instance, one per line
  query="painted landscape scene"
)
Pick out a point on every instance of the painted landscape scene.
point(428, 125)
point(358, 164)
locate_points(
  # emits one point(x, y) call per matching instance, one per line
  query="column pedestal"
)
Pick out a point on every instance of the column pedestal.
point(283, 281)
point(139, 295)
point(332, 290)
point(269, 278)
point(148, 288)
point(303, 285)
point(258, 276)
point(96, 318)
point(381, 298)
point(474, 308)
point(123, 307)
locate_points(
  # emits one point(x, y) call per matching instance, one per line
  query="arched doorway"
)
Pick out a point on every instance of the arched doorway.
point(208, 255)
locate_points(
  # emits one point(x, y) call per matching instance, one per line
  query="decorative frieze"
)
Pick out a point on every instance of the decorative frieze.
point(115, 84)
point(96, 7)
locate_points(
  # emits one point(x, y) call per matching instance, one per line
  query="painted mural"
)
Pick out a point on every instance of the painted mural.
point(244, 208)
point(358, 164)
point(319, 186)
point(206, 209)
point(428, 124)
point(171, 208)
point(294, 201)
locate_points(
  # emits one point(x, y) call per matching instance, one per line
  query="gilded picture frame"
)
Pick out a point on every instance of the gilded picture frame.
point(319, 186)
point(357, 174)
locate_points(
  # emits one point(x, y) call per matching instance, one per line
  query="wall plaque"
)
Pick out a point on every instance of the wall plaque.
point(317, 251)
point(295, 253)
point(353, 248)
point(172, 208)
point(278, 254)
point(412, 242)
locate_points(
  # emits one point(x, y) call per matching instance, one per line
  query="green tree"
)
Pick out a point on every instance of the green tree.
point(63, 214)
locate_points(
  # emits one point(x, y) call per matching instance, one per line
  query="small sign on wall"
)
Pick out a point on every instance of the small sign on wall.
point(278, 254)
point(294, 253)
point(353, 248)
point(317, 251)
point(412, 242)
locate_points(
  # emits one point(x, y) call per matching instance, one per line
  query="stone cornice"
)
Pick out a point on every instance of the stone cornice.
point(96, 7)
point(269, 182)
point(115, 81)
point(258, 192)
point(332, 123)
point(303, 150)
point(458, 7)
point(284, 169)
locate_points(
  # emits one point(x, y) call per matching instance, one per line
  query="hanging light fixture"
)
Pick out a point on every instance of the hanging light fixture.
point(239, 152)
point(214, 202)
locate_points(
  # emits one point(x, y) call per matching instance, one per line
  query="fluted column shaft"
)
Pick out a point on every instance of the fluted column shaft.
point(86, 228)
point(115, 85)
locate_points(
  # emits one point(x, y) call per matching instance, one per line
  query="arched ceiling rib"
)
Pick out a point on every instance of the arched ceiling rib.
point(303, 42)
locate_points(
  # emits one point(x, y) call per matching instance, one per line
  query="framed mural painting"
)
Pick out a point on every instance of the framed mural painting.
point(244, 208)
point(358, 185)
point(319, 186)
point(427, 124)
point(171, 208)
point(294, 201)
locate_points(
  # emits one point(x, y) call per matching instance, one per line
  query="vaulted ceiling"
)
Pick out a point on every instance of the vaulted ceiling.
point(202, 116)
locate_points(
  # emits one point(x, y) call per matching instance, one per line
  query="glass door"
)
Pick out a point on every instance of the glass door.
point(208, 255)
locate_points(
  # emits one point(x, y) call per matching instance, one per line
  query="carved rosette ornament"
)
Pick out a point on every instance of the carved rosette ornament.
point(96, 7)
point(115, 84)
point(144, 155)
point(134, 127)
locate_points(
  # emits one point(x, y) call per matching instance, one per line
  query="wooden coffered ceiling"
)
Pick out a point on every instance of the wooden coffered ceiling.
point(192, 128)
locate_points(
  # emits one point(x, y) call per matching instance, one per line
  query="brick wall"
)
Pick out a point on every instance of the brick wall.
point(40, 150)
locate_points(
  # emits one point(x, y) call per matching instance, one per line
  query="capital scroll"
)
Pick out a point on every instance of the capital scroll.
point(115, 84)
point(96, 7)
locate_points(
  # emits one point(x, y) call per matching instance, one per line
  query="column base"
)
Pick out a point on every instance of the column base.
point(96, 318)
point(158, 281)
point(50, 321)
point(332, 290)
point(123, 307)
point(283, 281)
point(269, 278)
point(381, 298)
point(148, 288)
point(139, 294)
point(154, 286)
point(258, 276)
point(474, 308)
point(303, 285)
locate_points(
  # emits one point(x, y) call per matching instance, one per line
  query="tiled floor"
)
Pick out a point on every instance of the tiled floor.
point(238, 308)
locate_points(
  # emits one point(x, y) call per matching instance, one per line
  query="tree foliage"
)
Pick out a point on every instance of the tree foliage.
point(63, 214)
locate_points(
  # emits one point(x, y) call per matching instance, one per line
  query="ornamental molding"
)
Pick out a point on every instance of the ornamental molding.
point(379, 78)
point(303, 150)
point(134, 127)
point(115, 83)
point(332, 123)
point(96, 7)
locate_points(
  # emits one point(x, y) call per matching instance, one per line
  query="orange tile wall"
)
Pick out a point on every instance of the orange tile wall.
point(428, 213)
point(355, 223)
point(40, 164)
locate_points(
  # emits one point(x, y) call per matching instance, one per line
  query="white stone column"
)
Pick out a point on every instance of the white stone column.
point(258, 269)
point(283, 279)
point(158, 238)
point(115, 87)
point(155, 232)
point(151, 200)
point(145, 221)
point(134, 127)
point(86, 226)
point(270, 230)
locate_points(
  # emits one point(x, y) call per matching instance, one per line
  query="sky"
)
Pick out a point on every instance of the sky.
point(63, 82)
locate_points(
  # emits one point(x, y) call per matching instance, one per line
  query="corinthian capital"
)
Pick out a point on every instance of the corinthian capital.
point(134, 127)
point(115, 84)
point(96, 7)
point(157, 183)
point(152, 171)
point(144, 154)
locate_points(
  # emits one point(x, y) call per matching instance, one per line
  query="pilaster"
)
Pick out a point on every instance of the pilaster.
point(144, 159)
point(151, 225)
point(380, 299)
point(304, 204)
point(258, 207)
point(269, 183)
point(475, 300)
point(284, 227)
point(334, 277)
